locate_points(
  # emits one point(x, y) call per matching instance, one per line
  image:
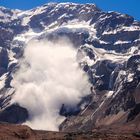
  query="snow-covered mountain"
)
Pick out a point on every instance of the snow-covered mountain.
point(108, 50)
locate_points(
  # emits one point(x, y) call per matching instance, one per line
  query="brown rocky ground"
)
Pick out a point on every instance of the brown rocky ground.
point(18, 132)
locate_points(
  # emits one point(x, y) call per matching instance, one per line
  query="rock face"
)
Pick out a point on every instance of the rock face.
point(4, 60)
point(108, 50)
point(14, 114)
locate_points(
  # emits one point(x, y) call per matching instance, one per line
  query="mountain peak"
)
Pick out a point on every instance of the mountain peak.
point(106, 48)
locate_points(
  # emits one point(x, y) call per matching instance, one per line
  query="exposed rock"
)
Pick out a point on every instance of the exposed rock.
point(14, 114)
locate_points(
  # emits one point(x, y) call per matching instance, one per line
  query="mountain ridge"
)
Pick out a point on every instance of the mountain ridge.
point(108, 50)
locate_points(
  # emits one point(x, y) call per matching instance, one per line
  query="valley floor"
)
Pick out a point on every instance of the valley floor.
point(18, 132)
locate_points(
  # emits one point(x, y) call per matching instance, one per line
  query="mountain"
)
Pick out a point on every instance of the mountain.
point(108, 51)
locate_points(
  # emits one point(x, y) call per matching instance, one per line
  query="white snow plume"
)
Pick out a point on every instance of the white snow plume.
point(48, 77)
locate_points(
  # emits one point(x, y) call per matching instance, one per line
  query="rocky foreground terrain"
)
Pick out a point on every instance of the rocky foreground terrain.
point(108, 51)
point(21, 132)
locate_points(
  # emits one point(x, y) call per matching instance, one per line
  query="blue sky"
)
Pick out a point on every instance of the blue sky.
point(131, 7)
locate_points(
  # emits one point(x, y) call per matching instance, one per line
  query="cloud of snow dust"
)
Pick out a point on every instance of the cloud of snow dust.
point(48, 77)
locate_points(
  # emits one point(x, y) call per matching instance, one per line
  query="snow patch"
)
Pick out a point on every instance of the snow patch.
point(109, 94)
point(130, 77)
point(2, 80)
point(121, 42)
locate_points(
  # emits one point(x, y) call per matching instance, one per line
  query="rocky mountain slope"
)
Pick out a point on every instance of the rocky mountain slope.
point(108, 50)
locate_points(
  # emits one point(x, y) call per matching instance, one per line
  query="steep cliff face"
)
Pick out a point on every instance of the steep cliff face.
point(108, 50)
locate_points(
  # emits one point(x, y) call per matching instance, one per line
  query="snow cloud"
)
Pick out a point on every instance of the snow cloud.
point(48, 77)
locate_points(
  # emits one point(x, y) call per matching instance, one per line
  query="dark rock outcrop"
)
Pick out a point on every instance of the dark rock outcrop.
point(14, 114)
